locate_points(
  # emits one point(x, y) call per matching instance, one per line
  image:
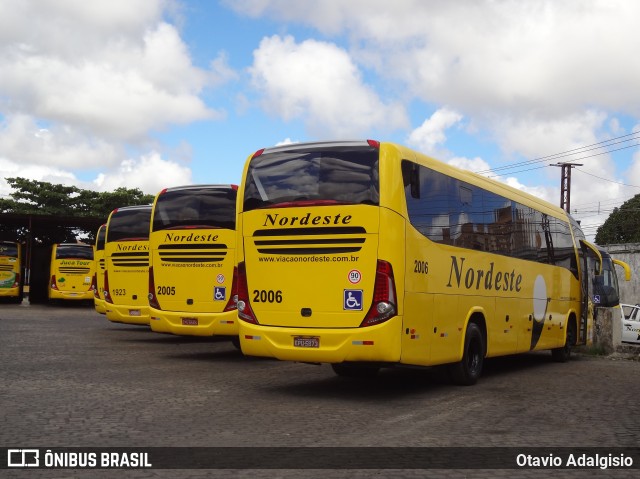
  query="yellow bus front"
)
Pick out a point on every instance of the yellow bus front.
point(192, 280)
point(11, 279)
point(315, 283)
point(127, 262)
point(72, 270)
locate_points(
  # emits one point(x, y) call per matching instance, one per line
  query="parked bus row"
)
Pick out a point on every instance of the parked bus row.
point(358, 254)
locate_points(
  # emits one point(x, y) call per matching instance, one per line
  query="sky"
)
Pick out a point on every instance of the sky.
point(150, 94)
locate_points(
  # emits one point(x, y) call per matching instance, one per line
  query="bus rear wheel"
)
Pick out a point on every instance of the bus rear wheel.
point(468, 370)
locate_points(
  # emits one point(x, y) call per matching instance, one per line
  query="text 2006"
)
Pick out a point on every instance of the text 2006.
point(267, 296)
point(420, 266)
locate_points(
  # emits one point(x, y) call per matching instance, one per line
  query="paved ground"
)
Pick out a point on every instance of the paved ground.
point(70, 378)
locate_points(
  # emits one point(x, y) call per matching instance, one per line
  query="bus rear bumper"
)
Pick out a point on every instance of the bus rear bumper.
point(9, 292)
point(98, 304)
point(127, 314)
point(183, 323)
point(380, 343)
point(71, 295)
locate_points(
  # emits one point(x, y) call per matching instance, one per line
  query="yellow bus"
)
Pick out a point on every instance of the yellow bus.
point(71, 272)
point(11, 271)
point(98, 277)
point(192, 280)
point(367, 254)
point(126, 253)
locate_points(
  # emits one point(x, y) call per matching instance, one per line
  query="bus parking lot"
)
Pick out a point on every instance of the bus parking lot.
point(71, 378)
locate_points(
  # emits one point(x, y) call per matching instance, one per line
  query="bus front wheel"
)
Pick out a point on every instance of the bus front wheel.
point(562, 355)
point(467, 371)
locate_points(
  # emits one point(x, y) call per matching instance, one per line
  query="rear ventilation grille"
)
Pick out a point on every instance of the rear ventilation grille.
point(350, 240)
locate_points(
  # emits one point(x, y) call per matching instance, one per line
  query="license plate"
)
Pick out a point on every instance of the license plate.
point(134, 312)
point(306, 341)
point(189, 321)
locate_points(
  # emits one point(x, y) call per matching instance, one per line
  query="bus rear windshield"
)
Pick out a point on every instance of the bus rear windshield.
point(73, 251)
point(341, 175)
point(129, 225)
point(196, 208)
point(10, 250)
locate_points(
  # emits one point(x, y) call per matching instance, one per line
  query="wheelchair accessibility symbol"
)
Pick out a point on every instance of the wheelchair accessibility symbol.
point(352, 300)
point(219, 293)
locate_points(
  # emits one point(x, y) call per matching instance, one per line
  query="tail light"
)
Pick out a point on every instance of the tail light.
point(153, 300)
point(54, 284)
point(94, 286)
point(233, 300)
point(245, 313)
point(107, 295)
point(383, 306)
point(16, 281)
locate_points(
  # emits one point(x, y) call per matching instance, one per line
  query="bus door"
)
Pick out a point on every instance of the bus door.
point(590, 268)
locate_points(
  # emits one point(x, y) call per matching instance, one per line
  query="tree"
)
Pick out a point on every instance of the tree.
point(42, 198)
point(623, 225)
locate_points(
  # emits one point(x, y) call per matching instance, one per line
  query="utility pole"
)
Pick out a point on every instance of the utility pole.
point(565, 185)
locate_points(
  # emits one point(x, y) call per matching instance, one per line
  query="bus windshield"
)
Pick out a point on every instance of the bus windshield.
point(201, 207)
point(73, 251)
point(325, 175)
point(129, 225)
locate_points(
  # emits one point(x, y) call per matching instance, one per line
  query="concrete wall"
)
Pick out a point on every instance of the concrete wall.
point(630, 254)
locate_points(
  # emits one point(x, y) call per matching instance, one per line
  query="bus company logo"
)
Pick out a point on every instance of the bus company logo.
point(277, 219)
point(220, 278)
point(354, 276)
point(132, 247)
point(74, 263)
point(23, 458)
point(486, 279)
point(190, 238)
point(352, 300)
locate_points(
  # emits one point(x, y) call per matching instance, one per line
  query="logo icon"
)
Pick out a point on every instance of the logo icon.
point(219, 293)
point(352, 300)
point(354, 276)
point(23, 457)
point(220, 278)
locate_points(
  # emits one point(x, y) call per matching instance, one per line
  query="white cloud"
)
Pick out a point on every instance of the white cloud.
point(431, 134)
point(49, 174)
point(84, 82)
point(318, 83)
point(22, 140)
point(149, 173)
point(544, 56)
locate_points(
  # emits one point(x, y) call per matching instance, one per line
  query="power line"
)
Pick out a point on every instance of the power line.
point(604, 179)
point(583, 149)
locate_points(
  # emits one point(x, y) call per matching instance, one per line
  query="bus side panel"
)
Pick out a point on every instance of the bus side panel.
point(503, 331)
point(417, 328)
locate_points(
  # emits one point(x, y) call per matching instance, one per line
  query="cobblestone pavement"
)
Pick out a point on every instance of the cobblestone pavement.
point(71, 378)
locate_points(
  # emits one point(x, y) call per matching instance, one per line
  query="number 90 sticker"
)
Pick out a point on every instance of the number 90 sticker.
point(354, 276)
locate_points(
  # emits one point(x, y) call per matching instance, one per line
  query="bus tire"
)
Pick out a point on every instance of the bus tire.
point(347, 370)
point(235, 340)
point(468, 370)
point(563, 354)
